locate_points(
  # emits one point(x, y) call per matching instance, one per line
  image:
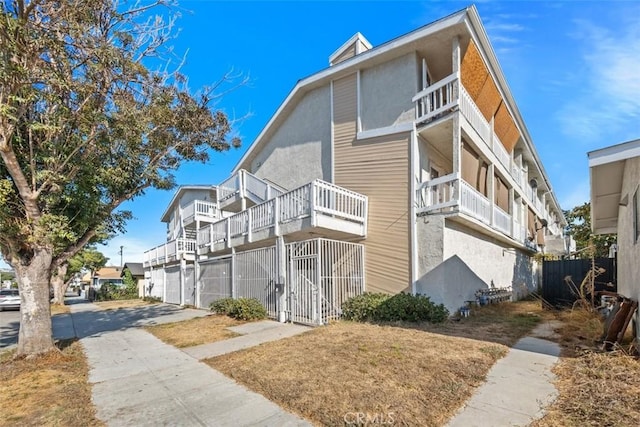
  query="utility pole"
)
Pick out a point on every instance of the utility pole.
point(121, 247)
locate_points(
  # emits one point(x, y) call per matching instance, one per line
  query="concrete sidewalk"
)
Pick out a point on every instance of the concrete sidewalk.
point(139, 380)
point(518, 387)
point(252, 334)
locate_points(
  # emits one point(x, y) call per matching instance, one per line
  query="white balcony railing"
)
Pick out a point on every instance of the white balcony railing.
point(501, 153)
point(448, 93)
point(318, 198)
point(474, 203)
point(173, 250)
point(201, 209)
point(502, 220)
point(450, 192)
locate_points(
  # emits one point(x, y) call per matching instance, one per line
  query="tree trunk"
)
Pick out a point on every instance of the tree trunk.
point(35, 310)
point(59, 284)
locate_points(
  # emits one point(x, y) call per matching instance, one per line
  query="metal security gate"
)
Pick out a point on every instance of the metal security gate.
point(215, 281)
point(323, 274)
point(190, 285)
point(304, 281)
point(256, 276)
point(155, 287)
point(172, 282)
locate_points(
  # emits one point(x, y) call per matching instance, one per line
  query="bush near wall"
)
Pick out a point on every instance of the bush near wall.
point(377, 307)
point(241, 308)
point(110, 291)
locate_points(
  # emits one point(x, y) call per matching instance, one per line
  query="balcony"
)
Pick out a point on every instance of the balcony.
point(450, 193)
point(318, 207)
point(245, 185)
point(448, 95)
point(200, 210)
point(173, 250)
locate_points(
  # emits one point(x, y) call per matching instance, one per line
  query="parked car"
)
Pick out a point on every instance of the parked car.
point(9, 298)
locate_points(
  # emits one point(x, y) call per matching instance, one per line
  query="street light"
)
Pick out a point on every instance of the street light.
point(121, 247)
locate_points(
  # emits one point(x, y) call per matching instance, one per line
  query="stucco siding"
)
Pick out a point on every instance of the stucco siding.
point(386, 91)
point(379, 168)
point(299, 150)
point(491, 260)
point(628, 247)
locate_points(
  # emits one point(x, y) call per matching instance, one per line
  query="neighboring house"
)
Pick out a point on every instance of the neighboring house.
point(615, 208)
point(401, 168)
point(106, 275)
point(137, 272)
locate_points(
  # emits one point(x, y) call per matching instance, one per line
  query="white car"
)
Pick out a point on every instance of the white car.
point(9, 298)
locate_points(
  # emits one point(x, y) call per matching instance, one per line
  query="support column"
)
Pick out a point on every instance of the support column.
point(491, 189)
point(183, 272)
point(234, 291)
point(283, 289)
point(512, 211)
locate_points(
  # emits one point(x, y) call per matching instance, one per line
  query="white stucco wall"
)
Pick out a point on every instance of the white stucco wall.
point(386, 91)
point(299, 150)
point(454, 261)
point(490, 259)
point(628, 247)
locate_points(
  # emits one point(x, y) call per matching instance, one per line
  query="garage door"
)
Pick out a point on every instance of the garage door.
point(172, 282)
point(215, 281)
point(190, 286)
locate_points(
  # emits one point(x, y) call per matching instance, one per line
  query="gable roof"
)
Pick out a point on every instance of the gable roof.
point(606, 171)
point(468, 16)
point(178, 194)
point(136, 268)
point(108, 273)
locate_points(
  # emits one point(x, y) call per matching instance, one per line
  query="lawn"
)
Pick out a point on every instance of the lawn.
point(201, 330)
point(415, 374)
point(50, 390)
point(122, 303)
point(595, 388)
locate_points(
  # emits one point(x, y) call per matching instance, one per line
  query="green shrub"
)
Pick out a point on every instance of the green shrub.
point(249, 309)
point(362, 308)
point(152, 299)
point(411, 308)
point(223, 306)
point(241, 308)
point(110, 291)
point(387, 308)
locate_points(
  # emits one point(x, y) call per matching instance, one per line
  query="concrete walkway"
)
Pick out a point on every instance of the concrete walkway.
point(518, 387)
point(139, 380)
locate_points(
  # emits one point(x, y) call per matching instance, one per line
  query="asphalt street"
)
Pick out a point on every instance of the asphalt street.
point(9, 324)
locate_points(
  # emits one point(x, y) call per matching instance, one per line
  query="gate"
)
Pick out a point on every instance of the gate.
point(215, 281)
point(323, 274)
point(256, 276)
point(190, 285)
point(156, 284)
point(555, 290)
point(172, 282)
point(304, 282)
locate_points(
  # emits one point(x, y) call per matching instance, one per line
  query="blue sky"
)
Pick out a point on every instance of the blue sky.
point(573, 68)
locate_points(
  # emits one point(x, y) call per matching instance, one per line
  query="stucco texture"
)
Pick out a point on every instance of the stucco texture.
point(299, 150)
point(454, 261)
point(386, 91)
point(628, 246)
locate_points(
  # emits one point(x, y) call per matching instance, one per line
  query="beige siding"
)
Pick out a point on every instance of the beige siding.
point(349, 52)
point(379, 168)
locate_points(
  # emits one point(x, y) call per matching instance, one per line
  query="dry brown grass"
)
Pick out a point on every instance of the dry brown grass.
point(59, 309)
point(581, 329)
point(125, 303)
point(502, 323)
point(201, 330)
point(596, 389)
point(416, 377)
point(50, 390)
